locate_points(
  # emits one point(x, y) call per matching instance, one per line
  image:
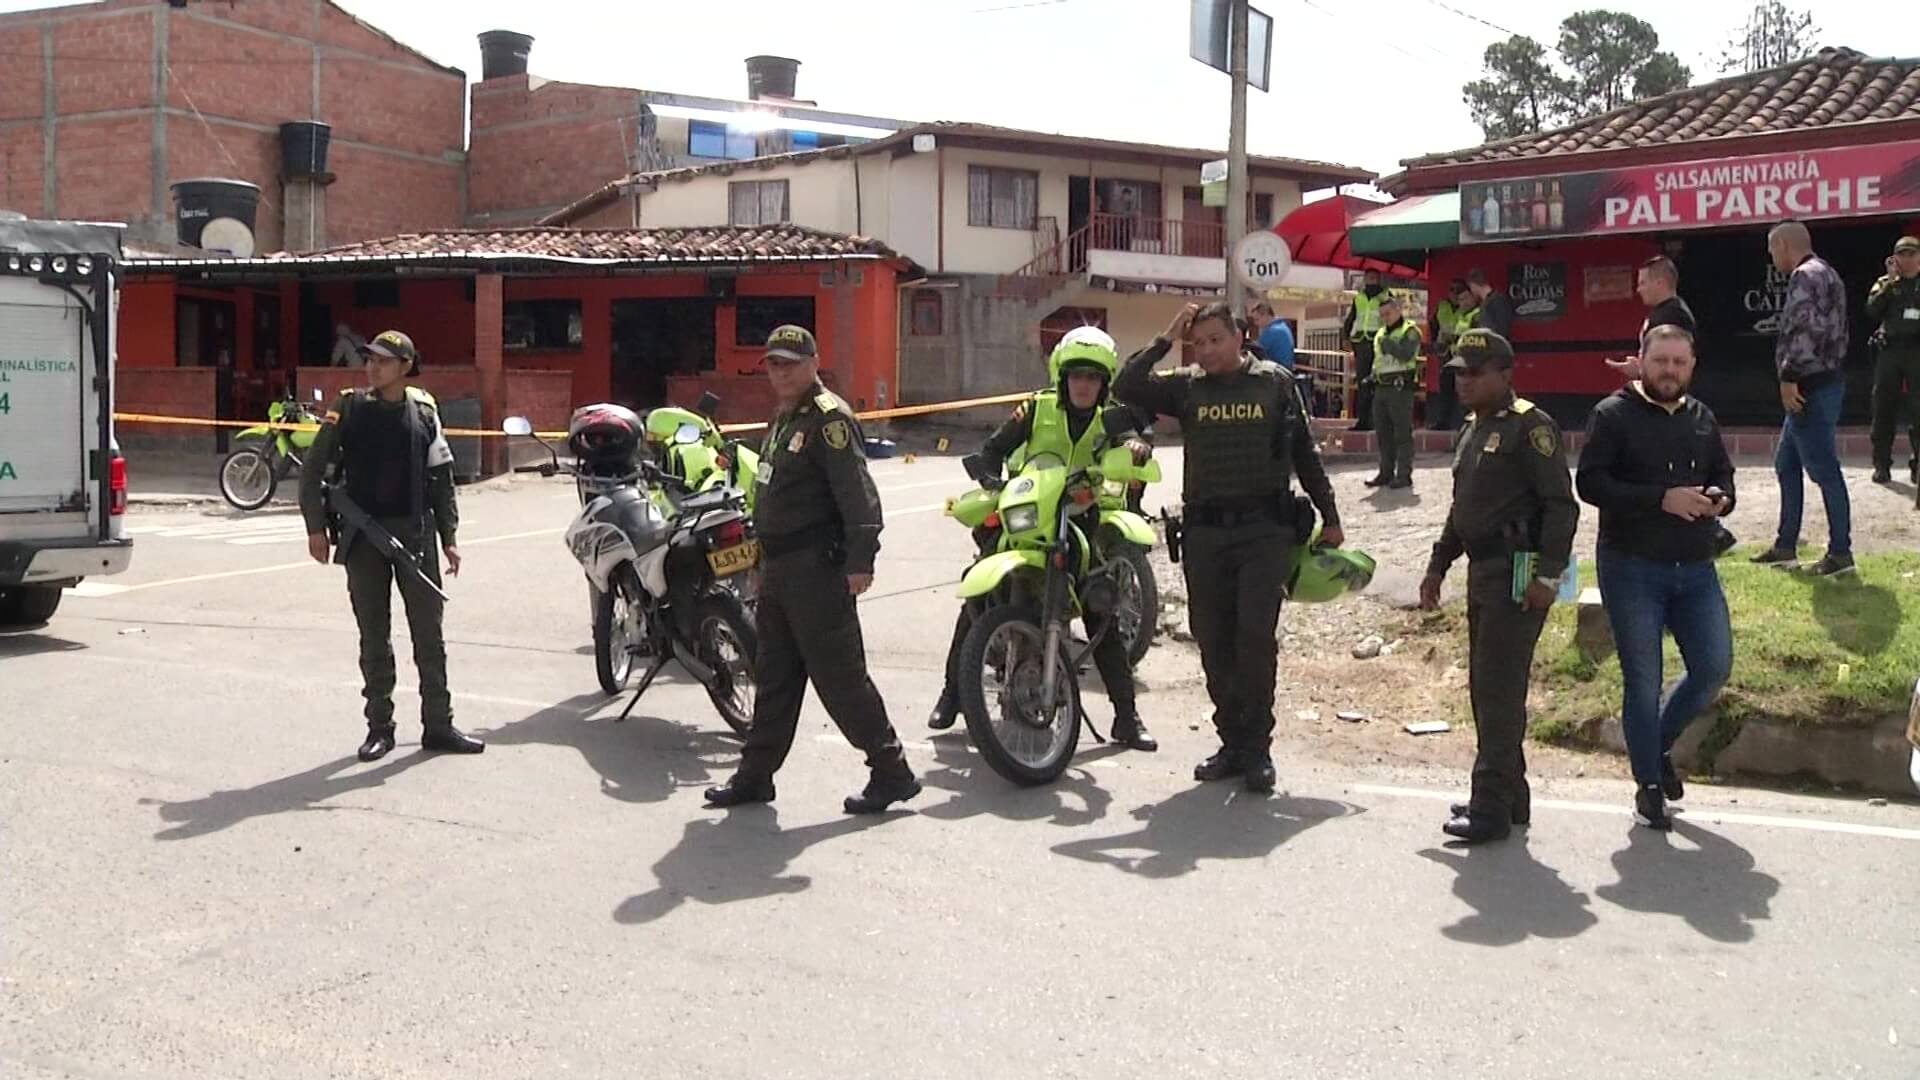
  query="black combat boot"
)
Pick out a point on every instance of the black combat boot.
point(1130, 732)
point(1260, 774)
point(883, 790)
point(448, 739)
point(1478, 828)
point(740, 791)
point(945, 711)
point(379, 742)
point(1223, 765)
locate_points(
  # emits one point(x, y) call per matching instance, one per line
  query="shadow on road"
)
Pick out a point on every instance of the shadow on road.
point(1713, 885)
point(25, 642)
point(1859, 618)
point(641, 760)
point(1212, 821)
point(300, 791)
point(742, 855)
point(1513, 895)
point(1074, 799)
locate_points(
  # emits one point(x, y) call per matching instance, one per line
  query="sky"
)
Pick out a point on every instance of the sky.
point(1364, 84)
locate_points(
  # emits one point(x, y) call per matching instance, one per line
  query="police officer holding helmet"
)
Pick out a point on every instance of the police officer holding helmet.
point(1513, 507)
point(383, 447)
point(818, 517)
point(1246, 436)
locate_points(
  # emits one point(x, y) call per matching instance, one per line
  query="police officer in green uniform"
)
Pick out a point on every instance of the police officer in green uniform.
point(1246, 436)
point(1512, 494)
point(1068, 420)
point(1362, 327)
point(383, 446)
point(1396, 367)
point(1894, 303)
point(1451, 316)
point(818, 518)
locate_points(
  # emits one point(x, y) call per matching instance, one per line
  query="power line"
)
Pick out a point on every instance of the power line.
point(1444, 6)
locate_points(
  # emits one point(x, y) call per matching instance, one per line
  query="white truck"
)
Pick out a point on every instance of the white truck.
point(63, 483)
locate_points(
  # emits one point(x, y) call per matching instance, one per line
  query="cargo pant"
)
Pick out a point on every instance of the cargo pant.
point(1234, 579)
point(1501, 638)
point(370, 582)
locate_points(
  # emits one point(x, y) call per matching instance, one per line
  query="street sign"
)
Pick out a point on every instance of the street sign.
point(1208, 41)
point(1214, 172)
point(1262, 259)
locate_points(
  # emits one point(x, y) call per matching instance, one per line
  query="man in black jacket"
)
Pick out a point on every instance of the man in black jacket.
point(1657, 468)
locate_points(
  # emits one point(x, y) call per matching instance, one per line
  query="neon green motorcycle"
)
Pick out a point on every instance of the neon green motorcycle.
point(693, 448)
point(1059, 557)
point(267, 453)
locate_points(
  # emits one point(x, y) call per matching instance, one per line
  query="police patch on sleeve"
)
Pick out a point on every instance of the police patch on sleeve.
point(1543, 440)
point(837, 434)
point(438, 452)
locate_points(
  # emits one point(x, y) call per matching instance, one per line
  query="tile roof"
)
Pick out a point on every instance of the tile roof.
point(586, 247)
point(1834, 86)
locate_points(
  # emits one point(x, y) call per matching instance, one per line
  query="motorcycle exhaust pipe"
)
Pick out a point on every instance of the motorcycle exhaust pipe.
point(698, 670)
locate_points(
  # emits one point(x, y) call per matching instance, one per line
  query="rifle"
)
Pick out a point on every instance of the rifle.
point(389, 546)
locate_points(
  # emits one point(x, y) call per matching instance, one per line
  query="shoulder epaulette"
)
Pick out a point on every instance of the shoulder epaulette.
point(1521, 406)
point(826, 402)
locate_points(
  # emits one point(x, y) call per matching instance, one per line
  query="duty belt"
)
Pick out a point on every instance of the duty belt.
point(1396, 381)
point(1488, 548)
point(1232, 515)
point(823, 536)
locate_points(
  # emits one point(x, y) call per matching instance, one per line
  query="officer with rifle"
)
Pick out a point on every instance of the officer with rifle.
point(378, 489)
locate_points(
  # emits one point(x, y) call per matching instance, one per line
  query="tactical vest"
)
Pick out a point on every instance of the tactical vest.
point(1236, 431)
point(1384, 364)
point(1446, 319)
point(1051, 433)
point(383, 448)
point(1366, 314)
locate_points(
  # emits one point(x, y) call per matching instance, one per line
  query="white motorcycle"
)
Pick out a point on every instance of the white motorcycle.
point(659, 557)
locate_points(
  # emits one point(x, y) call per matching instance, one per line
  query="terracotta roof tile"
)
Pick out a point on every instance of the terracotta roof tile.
point(1835, 86)
point(708, 243)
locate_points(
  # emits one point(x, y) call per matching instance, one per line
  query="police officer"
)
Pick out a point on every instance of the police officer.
point(1246, 436)
point(1512, 493)
point(1894, 303)
point(383, 445)
point(818, 518)
point(1362, 326)
point(1068, 421)
point(1450, 317)
point(1396, 366)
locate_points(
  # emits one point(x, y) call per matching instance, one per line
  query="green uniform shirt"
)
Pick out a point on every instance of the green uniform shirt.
point(1396, 349)
point(1510, 470)
point(814, 476)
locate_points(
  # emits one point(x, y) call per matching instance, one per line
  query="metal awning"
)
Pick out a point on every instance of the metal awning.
point(1420, 223)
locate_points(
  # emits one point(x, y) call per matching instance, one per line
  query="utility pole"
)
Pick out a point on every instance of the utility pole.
point(1236, 148)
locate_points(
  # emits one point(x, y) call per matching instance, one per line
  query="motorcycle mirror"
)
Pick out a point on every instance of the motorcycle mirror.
point(686, 434)
point(316, 394)
point(709, 402)
point(517, 425)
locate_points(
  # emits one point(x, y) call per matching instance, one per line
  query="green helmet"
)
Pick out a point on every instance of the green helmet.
point(1087, 347)
point(1323, 574)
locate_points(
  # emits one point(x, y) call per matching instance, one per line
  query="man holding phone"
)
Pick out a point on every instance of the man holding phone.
point(1657, 468)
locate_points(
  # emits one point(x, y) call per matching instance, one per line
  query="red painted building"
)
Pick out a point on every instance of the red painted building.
point(1561, 221)
point(122, 98)
point(528, 321)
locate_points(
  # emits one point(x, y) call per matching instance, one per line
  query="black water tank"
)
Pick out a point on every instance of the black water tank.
point(196, 202)
point(303, 149)
point(503, 53)
point(771, 76)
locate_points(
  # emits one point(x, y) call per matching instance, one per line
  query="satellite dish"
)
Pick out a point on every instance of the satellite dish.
point(227, 235)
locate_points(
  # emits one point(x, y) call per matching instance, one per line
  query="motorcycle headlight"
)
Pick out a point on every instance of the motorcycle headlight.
point(1022, 518)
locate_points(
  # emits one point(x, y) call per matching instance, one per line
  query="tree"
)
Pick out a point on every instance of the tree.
point(1520, 94)
point(1774, 35)
point(1615, 58)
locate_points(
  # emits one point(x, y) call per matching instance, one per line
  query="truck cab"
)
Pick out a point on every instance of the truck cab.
point(63, 482)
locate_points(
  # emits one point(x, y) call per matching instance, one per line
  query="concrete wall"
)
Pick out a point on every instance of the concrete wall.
point(819, 195)
point(142, 94)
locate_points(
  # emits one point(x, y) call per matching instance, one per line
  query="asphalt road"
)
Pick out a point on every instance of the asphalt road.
point(202, 882)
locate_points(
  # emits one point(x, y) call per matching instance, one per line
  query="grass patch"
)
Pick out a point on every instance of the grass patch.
point(1806, 651)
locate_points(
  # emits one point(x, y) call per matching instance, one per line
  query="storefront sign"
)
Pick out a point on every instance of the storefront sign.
point(1121, 285)
point(1850, 181)
point(1538, 290)
point(1604, 284)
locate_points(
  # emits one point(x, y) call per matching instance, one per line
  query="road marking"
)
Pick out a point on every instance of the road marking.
point(103, 590)
point(98, 589)
point(923, 484)
point(1717, 817)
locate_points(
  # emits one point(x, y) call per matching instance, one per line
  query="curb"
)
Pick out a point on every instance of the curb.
point(1872, 759)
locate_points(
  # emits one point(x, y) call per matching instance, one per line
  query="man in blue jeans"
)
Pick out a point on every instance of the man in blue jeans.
point(1808, 354)
point(1657, 468)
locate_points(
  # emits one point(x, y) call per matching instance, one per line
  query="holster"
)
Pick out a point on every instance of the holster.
point(1303, 517)
point(1176, 533)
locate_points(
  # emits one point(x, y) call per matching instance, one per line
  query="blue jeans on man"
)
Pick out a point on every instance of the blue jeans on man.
point(1645, 599)
point(1809, 442)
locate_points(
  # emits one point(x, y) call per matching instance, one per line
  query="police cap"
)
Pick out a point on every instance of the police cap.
point(1479, 348)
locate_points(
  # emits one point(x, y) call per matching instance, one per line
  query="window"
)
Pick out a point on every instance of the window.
point(757, 202)
point(710, 139)
point(754, 317)
point(541, 324)
point(1002, 198)
point(929, 316)
point(376, 293)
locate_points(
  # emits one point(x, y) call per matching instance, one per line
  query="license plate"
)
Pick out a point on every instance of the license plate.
point(734, 559)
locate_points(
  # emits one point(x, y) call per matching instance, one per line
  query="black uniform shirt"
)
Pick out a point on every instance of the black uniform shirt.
point(1510, 469)
point(815, 461)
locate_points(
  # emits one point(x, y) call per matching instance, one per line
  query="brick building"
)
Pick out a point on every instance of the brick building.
point(105, 106)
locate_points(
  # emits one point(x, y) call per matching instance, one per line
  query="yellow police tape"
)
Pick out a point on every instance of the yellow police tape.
point(874, 414)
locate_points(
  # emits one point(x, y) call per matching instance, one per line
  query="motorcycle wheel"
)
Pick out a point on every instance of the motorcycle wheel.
point(1137, 614)
point(613, 644)
point(1000, 670)
point(726, 643)
point(247, 478)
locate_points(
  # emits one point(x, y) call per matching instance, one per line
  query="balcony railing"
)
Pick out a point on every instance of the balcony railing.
point(1156, 236)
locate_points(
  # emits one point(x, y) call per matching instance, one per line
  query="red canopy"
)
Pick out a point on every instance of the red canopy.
point(1317, 233)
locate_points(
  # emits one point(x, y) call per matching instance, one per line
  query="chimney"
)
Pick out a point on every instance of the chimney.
point(771, 76)
point(304, 179)
point(503, 53)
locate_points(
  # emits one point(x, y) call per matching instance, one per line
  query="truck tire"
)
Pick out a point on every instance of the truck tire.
point(26, 606)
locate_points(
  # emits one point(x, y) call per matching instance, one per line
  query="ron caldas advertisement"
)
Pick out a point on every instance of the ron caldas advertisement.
point(1841, 182)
